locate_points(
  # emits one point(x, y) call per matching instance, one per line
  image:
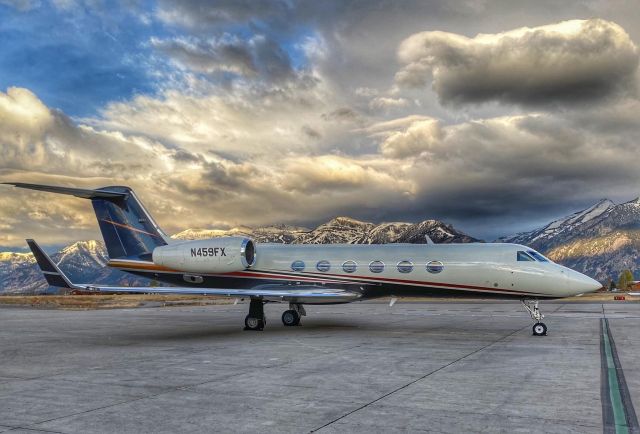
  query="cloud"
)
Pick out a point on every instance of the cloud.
point(570, 61)
point(419, 137)
point(388, 103)
point(208, 161)
point(201, 14)
point(258, 57)
point(510, 168)
point(21, 5)
point(208, 57)
point(243, 123)
point(269, 112)
point(330, 174)
point(247, 164)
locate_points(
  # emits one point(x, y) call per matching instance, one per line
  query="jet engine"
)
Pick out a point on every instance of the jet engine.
point(213, 255)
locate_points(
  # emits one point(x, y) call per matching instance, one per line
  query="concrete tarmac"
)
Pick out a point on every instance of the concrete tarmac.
point(363, 367)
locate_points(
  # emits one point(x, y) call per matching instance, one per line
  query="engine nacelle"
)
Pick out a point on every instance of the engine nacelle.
point(213, 255)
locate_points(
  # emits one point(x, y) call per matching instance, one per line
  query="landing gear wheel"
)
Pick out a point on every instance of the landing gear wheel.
point(253, 323)
point(539, 329)
point(290, 318)
point(255, 320)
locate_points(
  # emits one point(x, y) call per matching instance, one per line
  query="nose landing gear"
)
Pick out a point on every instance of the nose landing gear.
point(539, 328)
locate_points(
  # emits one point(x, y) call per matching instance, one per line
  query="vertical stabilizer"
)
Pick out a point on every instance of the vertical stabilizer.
point(128, 229)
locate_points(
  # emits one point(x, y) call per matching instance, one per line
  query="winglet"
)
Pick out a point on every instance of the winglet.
point(51, 272)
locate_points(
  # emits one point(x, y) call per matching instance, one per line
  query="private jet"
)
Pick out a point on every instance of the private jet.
point(305, 274)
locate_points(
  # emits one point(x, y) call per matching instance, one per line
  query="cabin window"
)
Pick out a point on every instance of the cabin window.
point(349, 266)
point(405, 266)
point(323, 266)
point(524, 256)
point(297, 266)
point(435, 267)
point(376, 267)
point(537, 255)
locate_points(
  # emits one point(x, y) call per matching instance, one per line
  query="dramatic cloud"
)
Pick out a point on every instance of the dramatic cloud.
point(461, 172)
point(565, 62)
point(526, 164)
point(419, 137)
point(252, 113)
point(184, 169)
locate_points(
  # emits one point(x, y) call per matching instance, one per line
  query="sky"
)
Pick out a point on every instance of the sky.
point(493, 116)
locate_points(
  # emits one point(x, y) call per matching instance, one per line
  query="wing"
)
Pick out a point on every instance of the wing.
point(275, 293)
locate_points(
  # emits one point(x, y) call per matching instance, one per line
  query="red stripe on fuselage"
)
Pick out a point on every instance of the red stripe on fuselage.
point(338, 279)
point(369, 280)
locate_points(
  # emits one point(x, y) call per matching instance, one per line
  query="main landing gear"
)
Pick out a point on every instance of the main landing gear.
point(256, 319)
point(292, 316)
point(539, 328)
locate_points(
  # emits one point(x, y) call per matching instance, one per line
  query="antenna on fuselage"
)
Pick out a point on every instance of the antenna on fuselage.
point(429, 240)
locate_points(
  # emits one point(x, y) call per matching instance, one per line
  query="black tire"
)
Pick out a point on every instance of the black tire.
point(290, 318)
point(252, 323)
point(539, 329)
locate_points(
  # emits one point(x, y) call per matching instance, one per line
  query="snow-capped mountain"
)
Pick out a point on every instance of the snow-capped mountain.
point(558, 230)
point(19, 273)
point(82, 260)
point(342, 230)
point(599, 241)
point(269, 234)
point(85, 261)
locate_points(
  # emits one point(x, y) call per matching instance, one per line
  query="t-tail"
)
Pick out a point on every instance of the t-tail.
point(127, 228)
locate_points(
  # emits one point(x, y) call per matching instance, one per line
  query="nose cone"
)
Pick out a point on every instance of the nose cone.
point(580, 284)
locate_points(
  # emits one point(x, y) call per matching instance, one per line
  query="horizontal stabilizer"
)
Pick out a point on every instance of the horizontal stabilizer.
point(51, 272)
point(78, 192)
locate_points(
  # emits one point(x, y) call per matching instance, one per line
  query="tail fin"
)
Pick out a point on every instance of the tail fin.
point(51, 272)
point(127, 228)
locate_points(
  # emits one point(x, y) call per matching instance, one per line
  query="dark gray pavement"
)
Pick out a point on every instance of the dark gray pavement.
point(365, 367)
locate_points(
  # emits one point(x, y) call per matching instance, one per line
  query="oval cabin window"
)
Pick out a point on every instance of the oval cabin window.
point(376, 267)
point(323, 266)
point(297, 266)
point(435, 267)
point(405, 266)
point(349, 266)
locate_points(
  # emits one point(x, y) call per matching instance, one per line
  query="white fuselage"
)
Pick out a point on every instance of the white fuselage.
point(478, 267)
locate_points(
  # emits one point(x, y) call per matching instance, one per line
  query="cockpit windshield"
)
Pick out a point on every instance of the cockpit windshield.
point(524, 256)
point(537, 255)
point(531, 255)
